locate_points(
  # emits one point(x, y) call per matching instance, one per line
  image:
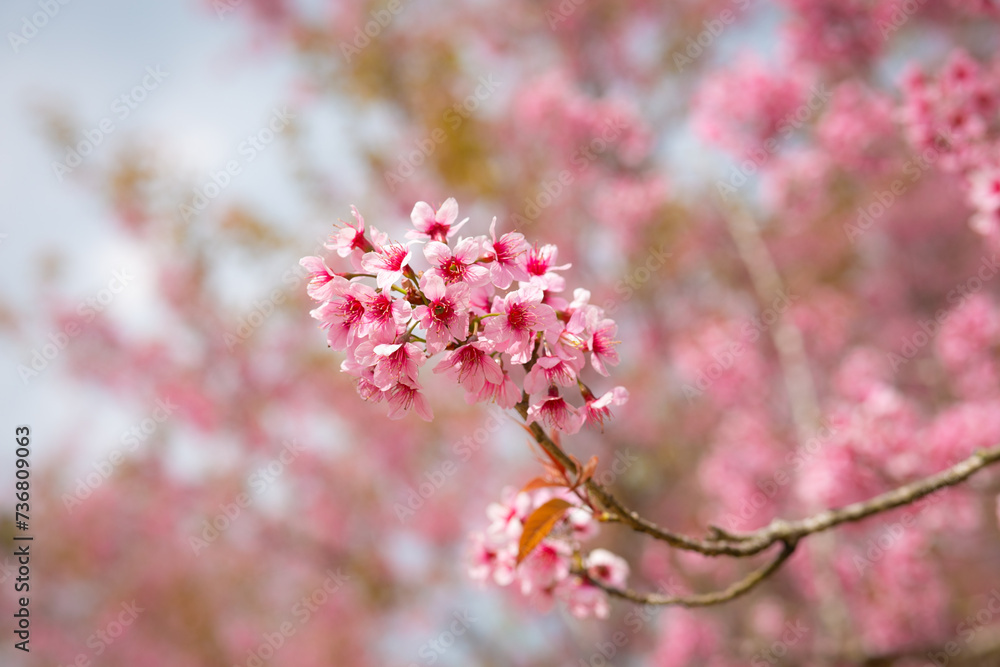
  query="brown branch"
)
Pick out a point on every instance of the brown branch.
point(705, 599)
point(723, 543)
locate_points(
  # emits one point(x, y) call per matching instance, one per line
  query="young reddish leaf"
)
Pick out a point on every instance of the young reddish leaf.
point(541, 482)
point(539, 525)
point(588, 471)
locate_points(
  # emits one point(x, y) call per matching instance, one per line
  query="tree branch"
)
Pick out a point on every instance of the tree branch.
point(724, 543)
point(705, 599)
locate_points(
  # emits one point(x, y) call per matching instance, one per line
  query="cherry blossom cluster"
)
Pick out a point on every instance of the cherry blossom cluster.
point(954, 115)
point(556, 569)
point(490, 305)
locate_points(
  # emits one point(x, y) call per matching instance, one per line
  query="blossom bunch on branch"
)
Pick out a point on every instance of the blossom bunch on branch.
point(491, 307)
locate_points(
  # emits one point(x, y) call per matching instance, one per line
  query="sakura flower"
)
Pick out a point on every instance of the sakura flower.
point(323, 282)
point(555, 412)
point(550, 370)
point(545, 566)
point(350, 240)
point(607, 568)
point(985, 190)
point(471, 366)
point(446, 317)
point(384, 317)
point(492, 560)
point(540, 264)
point(481, 298)
point(459, 264)
point(582, 524)
point(506, 518)
point(343, 316)
point(602, 346)
point(521, 314)
point(392, 363)
point(403, 397)
point(596, 410)
point(435, 226)
point(365, 379)
point(508, 257)
point(505, 393)
point(573, 338)
point(584, 599)
point(387, 262)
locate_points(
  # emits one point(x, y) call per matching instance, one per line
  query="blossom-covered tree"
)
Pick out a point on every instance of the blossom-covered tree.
point(720, 331)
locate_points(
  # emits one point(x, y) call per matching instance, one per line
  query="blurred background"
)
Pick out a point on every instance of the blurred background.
point(208, 489)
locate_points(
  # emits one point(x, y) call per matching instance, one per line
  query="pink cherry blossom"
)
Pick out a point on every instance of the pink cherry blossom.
point(602, 346)
point(471, 366)
point(492, 560)
point(350, 240)
point(435, 226)
point(521, 315)
point(548, 564)
point(551, 370)
point(597, 410)
point(552, 410)
point(509, 257)
point(459, 264)
point(446, 317)
point(607, 568)
point(541, 266)
point(393, 363)
point(323, 284)
point(504, 393)
point(388, 262)
point(384, 317)
point(584, 600)
point(404, 397)
point(343, 317)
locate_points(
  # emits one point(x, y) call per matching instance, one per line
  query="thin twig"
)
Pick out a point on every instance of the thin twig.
point(705, 599)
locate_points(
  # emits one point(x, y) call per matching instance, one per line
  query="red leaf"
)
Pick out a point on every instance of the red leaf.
point(539, 524)
point(541, 482)
point(588, 471)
